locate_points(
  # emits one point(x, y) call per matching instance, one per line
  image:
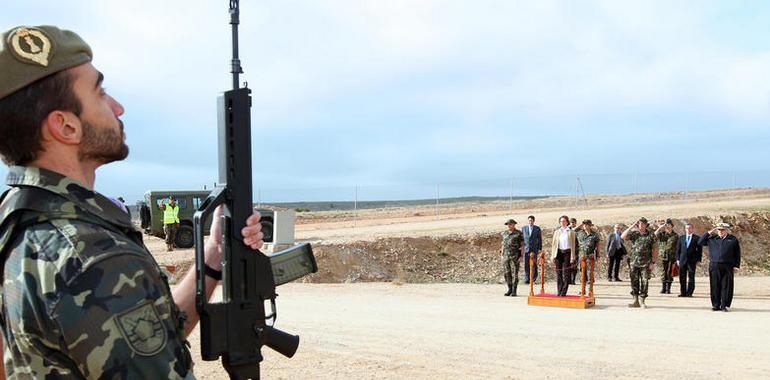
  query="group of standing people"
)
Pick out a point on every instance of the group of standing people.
point(663, 246)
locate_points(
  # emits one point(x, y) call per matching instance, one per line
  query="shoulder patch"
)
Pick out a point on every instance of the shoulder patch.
point(142, 329)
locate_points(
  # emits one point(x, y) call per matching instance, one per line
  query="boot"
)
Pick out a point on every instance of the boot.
point(513, 292)
point(635, 304)
point(169, 247)
point(668, 288)
point(663, 289)
point(644, 306)
point(510, 290)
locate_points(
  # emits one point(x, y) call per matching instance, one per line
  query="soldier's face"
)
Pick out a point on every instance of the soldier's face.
point(587, 227)
point(511, 227)
point(103, 139)
point(642, 226)
point(722, 232)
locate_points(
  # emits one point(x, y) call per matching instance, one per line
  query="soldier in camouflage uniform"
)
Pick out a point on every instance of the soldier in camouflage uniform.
point(510, 251)
point(81, 295)
point(668, 240)
point(588, 243)
point(641, 259)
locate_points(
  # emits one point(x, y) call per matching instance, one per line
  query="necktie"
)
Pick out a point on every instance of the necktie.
point(688, 240)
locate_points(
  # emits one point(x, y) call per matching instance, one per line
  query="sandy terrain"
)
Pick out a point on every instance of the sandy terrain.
point(442, 331)
point(492, 220)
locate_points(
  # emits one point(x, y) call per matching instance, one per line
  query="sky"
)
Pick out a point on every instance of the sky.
point(408, 93)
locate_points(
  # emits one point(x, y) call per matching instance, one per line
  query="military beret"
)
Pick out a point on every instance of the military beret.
point(510, 221)
point(30, 53)
point(643, 220)
point(588, 222)
point(669, 221)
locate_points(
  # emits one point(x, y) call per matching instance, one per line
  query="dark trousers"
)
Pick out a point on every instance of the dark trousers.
point(563, 271)
point(721, 279)
point(527, 276)
point(687, 278)
point(613, 265)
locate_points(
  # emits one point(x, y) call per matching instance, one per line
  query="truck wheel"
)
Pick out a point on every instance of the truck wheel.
point(184, 237)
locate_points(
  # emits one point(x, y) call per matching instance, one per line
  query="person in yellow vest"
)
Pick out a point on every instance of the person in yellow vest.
point(170, 221)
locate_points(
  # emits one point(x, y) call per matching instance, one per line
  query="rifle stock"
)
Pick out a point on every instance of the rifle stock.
point(237, 328)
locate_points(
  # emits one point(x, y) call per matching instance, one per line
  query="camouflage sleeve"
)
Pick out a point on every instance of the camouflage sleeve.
point(116, 321)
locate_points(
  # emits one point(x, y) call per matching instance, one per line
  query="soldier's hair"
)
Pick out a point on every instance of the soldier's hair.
point(23, 112)
point(531, 217)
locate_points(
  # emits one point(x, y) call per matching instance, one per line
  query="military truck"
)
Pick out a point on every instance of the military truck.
point(151, 216)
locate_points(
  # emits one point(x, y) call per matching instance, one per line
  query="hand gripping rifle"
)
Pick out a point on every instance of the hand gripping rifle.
point(237, 328)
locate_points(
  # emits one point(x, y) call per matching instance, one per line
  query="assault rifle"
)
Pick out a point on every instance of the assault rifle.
point(237, 328)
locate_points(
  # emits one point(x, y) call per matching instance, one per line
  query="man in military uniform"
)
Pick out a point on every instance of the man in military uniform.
point(641, 260)
point(588, 243)
point(574, 266)
point(510, 252)
point(82, 296)
point(667, 239)
point(170, 221)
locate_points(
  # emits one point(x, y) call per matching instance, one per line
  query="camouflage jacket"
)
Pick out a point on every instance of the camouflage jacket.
point(81, 297)
point(642, 246)
point(587, 242)
point(512, 242)
point(668, 242)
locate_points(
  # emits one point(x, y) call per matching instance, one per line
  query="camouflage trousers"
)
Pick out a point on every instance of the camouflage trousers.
point(511, 270)
point(589, 271)
point(170, 231)
point(640, 281)
point(665, 269)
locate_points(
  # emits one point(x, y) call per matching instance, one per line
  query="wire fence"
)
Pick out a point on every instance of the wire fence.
point(573, 189)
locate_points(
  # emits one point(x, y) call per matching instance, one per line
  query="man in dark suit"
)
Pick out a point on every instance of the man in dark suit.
point(533, 244)
point(615, 252)
point(689, 253)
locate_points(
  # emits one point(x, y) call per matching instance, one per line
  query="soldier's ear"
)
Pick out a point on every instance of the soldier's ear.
point(62, 127)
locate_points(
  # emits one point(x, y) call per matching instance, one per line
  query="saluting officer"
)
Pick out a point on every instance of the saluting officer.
point(644, 252)
point(667, 239)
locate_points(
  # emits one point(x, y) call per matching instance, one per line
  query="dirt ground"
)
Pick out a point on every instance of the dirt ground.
point(443, 331)
point(466, 219)
point(403, 330)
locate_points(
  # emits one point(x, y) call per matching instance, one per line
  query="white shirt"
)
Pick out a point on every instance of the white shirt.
point(564, 238)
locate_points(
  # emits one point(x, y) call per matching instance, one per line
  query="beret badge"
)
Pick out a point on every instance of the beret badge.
point(30, 45)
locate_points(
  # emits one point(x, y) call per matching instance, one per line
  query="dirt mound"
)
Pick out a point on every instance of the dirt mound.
point(475, 258)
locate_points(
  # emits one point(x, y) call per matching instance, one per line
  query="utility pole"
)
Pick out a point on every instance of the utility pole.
point(355, 208)
point(437, 196)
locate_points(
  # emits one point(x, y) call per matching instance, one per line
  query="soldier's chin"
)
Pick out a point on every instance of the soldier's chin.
point(119, 154)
